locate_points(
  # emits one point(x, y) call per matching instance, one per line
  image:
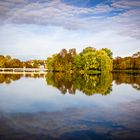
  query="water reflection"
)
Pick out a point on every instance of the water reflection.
point(133, 79)
point(8, 78)
point(73, 124)
point(88, 84)
point(32, 110)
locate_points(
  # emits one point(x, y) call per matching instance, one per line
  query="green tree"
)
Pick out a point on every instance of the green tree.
point(108, 51)
point(88, 61)
point(91, 59)
point(105, 62)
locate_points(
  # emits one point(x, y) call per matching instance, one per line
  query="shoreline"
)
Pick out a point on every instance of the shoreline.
point(44, 71)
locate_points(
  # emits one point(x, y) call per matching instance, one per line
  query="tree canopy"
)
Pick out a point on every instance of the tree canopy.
point(127, 63)
point(89, 59)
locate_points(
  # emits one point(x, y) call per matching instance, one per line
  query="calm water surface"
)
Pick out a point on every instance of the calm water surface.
point(59, 106)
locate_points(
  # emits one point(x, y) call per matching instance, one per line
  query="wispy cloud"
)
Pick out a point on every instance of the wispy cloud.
point(120, 15)
point(45, 41)
point(43, 27)
point(126, 4)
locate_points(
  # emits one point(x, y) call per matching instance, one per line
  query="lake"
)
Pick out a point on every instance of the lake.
point(59, 106)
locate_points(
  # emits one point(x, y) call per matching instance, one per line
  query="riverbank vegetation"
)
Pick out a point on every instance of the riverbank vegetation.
point(9, 62)
point(130, 64)
point(89, 61)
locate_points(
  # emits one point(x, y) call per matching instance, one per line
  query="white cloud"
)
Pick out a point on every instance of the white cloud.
point(43, 28)
point(45, 41)
point(126, 4)
point(61, 14)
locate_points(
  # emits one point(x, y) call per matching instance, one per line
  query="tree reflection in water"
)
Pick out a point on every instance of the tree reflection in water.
point(133, 79)
point(88, 84)
point(8, 78)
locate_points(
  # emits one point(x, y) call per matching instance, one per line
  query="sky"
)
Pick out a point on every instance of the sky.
point(39, 28)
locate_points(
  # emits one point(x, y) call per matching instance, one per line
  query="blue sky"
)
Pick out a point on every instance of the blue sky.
point(44, 27)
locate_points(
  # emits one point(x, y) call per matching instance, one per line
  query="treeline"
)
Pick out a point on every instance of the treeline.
point(127, 63)
point(89, 61)
point(9, 62)
point(93, 61)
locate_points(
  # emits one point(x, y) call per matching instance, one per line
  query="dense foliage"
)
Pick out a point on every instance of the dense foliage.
point(9, 62)
point(127, 63)
point(62, 61)
point(89, 59)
